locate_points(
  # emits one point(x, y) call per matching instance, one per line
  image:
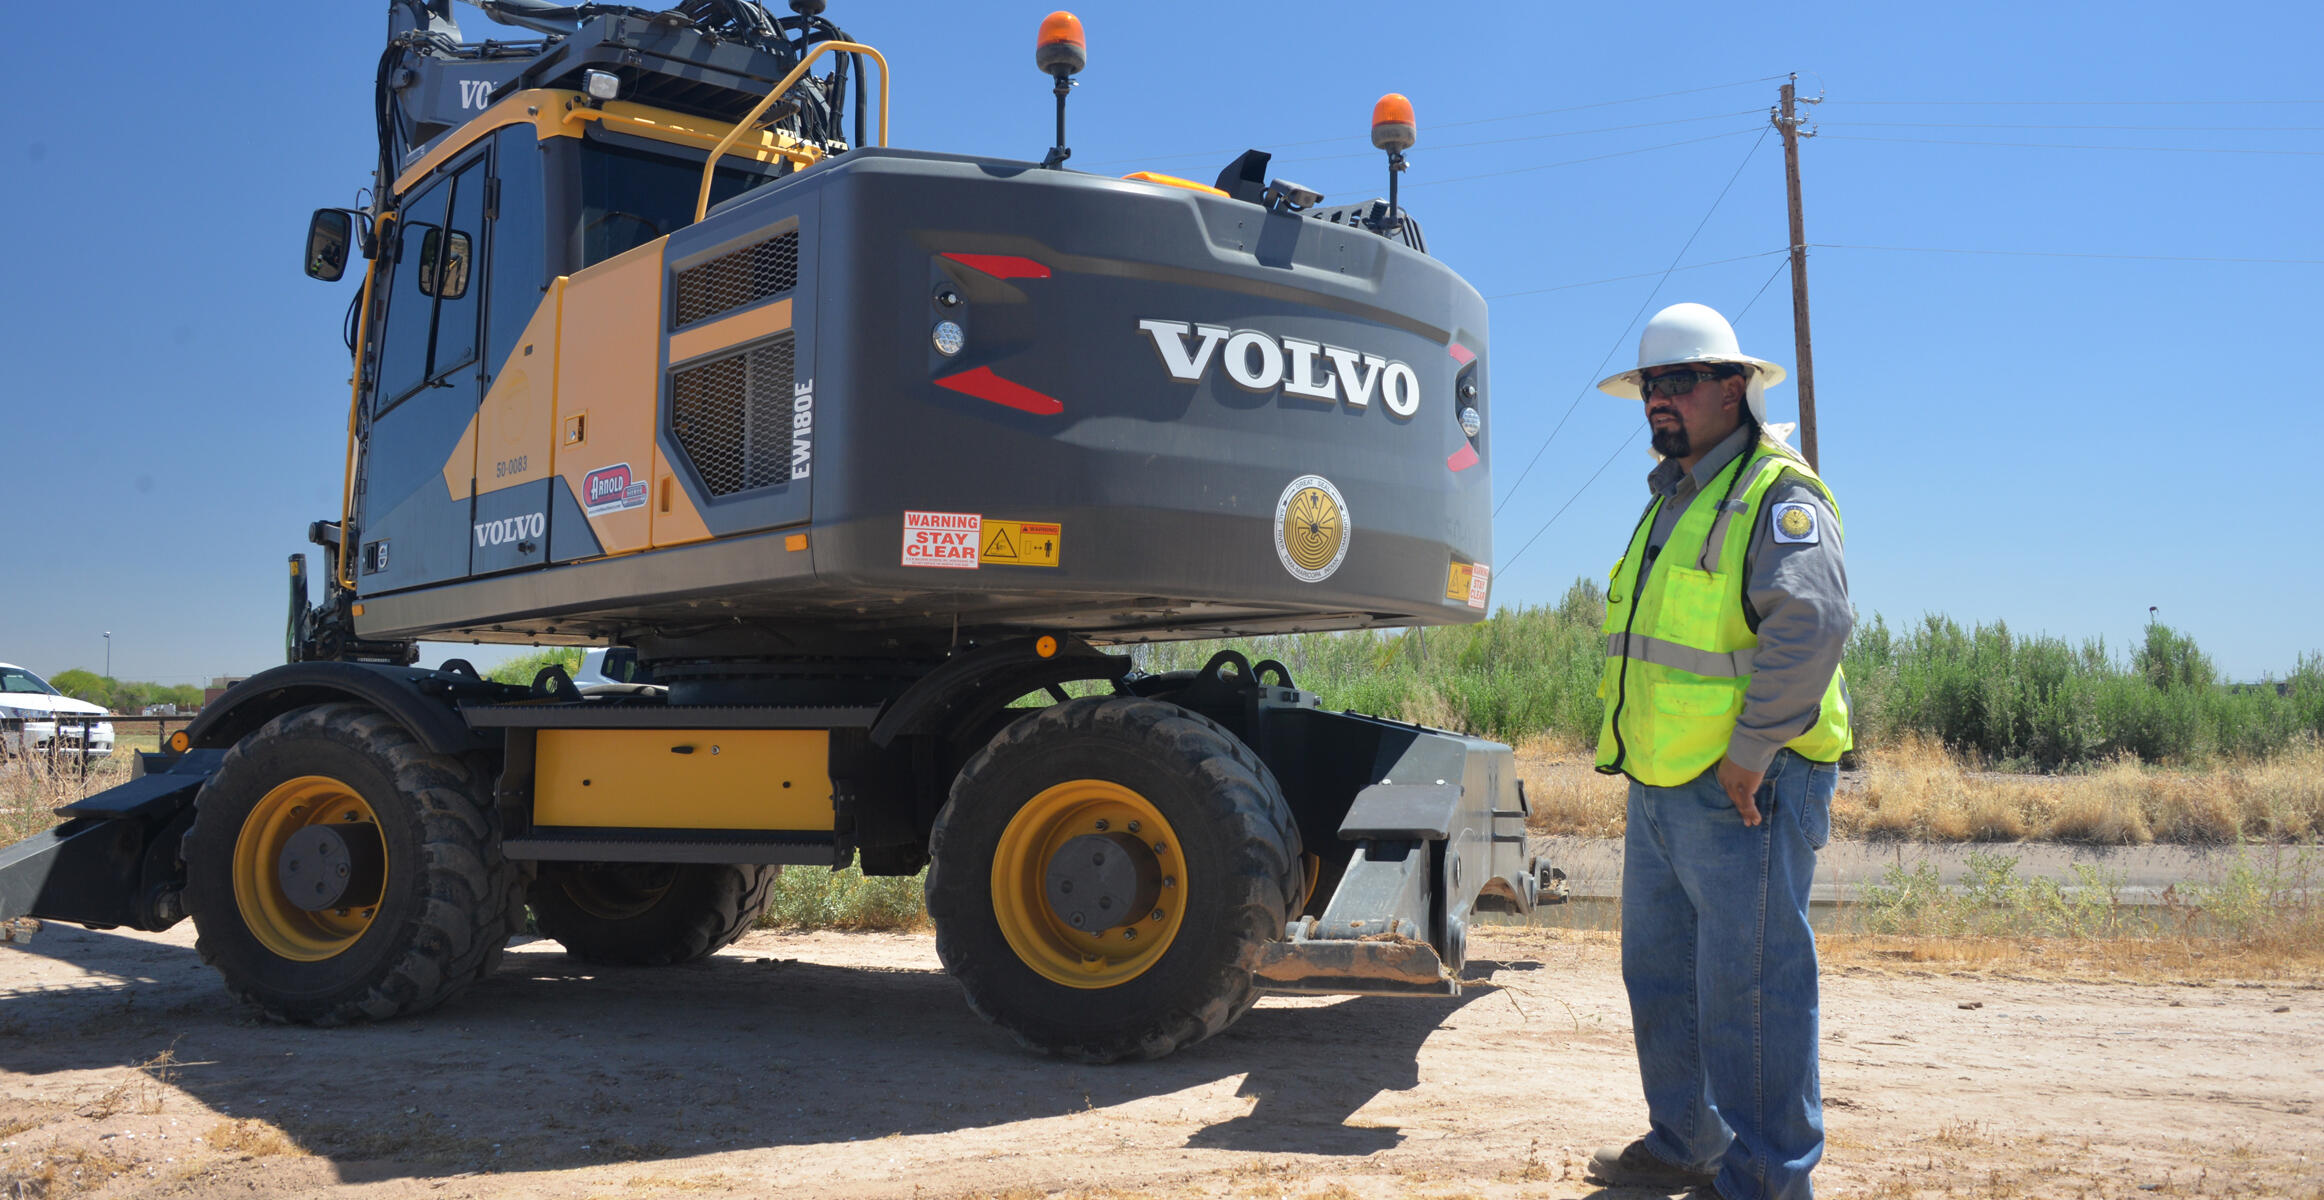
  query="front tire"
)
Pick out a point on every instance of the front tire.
point(428, 910)
point(648, 914)
point(1206, 837)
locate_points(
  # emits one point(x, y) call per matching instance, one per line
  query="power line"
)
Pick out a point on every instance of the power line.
point(1843, 137)
point(1716, 262)
point(2293, 262)
point(1763, 287)
point(2135, 128)
point(2074, 103)
point(1543, 112)
point(1577, 161)
point(1511, 561)
point(1624, 336)
point(1537, 137)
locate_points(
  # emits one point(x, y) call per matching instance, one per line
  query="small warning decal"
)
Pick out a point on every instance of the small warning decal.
point(1467, 583)
point(934, 539)
point(1021, 543)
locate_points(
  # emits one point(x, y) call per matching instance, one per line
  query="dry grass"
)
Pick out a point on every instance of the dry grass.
point(33, 786)
point(1914, 789)
point(56, 1172)
point(2178, 959)
point(252, 1138)
point(1567, 794)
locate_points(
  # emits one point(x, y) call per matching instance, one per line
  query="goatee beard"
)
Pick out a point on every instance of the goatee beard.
point(1673, 442)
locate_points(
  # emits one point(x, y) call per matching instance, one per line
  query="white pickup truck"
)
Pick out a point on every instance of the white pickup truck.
point(35, 718)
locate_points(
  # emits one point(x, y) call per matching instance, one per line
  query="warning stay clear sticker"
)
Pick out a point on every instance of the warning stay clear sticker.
point(935, 539)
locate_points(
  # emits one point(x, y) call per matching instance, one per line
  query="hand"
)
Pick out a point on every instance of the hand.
point(1742, 785)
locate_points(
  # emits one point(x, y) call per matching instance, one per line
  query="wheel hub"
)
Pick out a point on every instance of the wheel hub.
point(320, 868)
point(1101, 880)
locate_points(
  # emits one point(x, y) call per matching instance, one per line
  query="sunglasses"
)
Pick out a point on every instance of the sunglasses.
point(1679, 383)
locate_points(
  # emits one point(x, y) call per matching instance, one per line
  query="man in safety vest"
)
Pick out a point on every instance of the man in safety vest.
point(1725, 707)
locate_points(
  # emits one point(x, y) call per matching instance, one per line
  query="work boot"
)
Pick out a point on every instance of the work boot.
point(1636, 1166)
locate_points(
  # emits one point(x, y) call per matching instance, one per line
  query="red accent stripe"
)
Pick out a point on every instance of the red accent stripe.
point(1002, 266)
point(1462, 459)
point(981, 383)
point(1462, 354)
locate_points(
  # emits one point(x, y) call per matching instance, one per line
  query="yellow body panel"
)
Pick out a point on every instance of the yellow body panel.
point(1173, 181)
point(676, 520)
point(515, 423)
point(460, 467)
point(750, 325)
point(609, 364)
point(683, 779)
point(556, 112)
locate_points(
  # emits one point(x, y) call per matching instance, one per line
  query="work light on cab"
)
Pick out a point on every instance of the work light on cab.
point(1394, 131)
point(1061, 52)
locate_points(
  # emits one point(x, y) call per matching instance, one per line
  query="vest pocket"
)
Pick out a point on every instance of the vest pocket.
point(1697, 699)
point(1692, 604)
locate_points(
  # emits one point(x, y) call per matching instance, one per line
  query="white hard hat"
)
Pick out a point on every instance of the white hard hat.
point(1693, 333)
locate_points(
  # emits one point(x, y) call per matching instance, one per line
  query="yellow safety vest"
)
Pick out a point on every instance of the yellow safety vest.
point(1678, 653)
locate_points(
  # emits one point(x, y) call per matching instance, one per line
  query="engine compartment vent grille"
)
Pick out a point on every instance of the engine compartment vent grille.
point(731, 281)
point(732, 417)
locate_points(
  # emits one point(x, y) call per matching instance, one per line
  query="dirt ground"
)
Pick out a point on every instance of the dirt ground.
point(846, 1065)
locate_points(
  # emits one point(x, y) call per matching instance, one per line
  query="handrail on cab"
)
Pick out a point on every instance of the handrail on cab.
point(710, 166)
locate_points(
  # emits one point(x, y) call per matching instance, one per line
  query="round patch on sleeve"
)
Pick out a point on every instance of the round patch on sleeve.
point(1795, 523)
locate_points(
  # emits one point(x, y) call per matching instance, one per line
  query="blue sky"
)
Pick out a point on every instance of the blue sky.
point(2060, 435)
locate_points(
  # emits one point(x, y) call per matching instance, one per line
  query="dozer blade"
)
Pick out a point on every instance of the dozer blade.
point(114, 861)
point(1439, 838)
point(1389, 965)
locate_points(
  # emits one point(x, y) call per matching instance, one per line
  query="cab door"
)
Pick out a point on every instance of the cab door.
point(416, 488)
point(513, 467)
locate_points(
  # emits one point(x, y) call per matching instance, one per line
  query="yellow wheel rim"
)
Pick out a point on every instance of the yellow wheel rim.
point(283, 927)
point(1057, 951)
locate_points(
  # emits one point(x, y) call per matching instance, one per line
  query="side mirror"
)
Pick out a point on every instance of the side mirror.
point(621, 663)
point(453, 282)
point(329, 233)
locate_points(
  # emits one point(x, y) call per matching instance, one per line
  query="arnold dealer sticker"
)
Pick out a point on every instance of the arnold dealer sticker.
point(1311, 529)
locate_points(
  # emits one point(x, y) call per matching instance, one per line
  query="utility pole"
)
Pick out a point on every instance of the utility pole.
point(1787, 120)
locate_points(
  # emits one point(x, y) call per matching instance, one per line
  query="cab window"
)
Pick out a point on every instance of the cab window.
point(433, 297)
point(630, 197)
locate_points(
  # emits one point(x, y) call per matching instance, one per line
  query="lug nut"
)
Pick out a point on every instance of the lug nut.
point(1159, 848)
point(1157, 914)
point(1129, 935)
point(1169, 881)
point(1133, 827)
point(1103, 824)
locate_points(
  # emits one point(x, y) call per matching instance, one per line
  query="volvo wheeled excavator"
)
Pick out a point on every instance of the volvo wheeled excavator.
point(854, 458)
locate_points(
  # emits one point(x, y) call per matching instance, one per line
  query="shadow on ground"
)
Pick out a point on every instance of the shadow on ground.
point(554, 1064)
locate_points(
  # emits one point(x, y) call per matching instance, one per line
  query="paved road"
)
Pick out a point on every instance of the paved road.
point(1593, 866)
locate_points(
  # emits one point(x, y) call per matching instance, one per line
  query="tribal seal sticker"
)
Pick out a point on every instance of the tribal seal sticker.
point(1795, 523)
point(1311, 529)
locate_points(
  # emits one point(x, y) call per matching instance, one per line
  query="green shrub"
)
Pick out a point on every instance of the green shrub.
point(521, 669)
point(809, 898)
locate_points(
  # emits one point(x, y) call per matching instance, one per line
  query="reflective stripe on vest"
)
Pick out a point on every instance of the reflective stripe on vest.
point(1679, 649)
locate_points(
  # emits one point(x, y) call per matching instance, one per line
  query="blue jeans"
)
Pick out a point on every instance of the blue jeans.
point(1721, 969)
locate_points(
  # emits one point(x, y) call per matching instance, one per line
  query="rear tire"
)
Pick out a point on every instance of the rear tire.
point(439, 915)
point(1229, 863)
point(648, 914)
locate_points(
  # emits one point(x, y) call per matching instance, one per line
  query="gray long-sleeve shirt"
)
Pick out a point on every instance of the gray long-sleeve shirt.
point(1799, 589)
